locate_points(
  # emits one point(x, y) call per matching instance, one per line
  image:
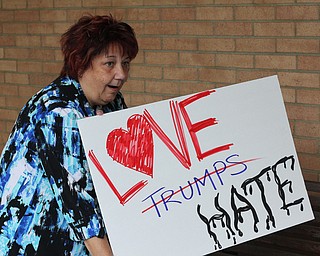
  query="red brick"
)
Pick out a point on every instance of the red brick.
point(217, 75)
point(95, 3)
point(306, 145)
point(143, 98)
point(52, 67)
point(40, 3)
point(233, 2)
point(138, 28)
point(214, 13)
point(16, 53)
point(163, 87)
point(274, 29)
point(272, 1)
point(177, 73)
point(27, 15)
point(289, 95)
point(134, 85)
point(255, 45)
point(51, 41)
point(310, 176)
point(307, 1)
point(146, 72)
point(6, 15)
point(160, 28)
point(177, 13)
point(196, 59)
point(6, 89)
point(27, 91)
point(234, 60)
point(8, 114)
point(255, 13)
point(2, 126)
point(14, 4)
point(298, 45)
point(189, 87)
point(130, 3)
point(7, 40)
point(28, 41)
point(247, 75)
point(307, 129)
point(16, 78)
point(61, 27)
point(14, 28)
point(41, 79)
point(195, 28)
point(309, 162)
point(64, 3)
point(75, 14)
point(139, 59)
point(216, 44)
point(308, 62)
point(179, 43)
point(308, 29)
point(297, 12)
point(232, 29)
point(53, 15)
point(308, 96)
point(149, 43)
point(9, 125)
point(275, 62)
point(40, 28)
point(117, 13)
point(143, 14)
point(191, 2)
point(16, 102)
point(162, 58)
point(42, 54)
point(3, 139)
point(29, 66)
point(299, 79)
point(301, 112)
point(8, 65)
point(57, 55)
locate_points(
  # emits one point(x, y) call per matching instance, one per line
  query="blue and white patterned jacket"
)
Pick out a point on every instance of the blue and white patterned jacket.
point(48, 204)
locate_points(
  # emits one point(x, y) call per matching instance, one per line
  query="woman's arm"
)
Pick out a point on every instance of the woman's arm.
point(98, 246)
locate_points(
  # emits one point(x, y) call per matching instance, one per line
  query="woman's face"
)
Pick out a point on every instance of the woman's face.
point(104, 78)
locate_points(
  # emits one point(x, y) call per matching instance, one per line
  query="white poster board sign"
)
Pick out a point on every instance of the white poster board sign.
point(196, 174)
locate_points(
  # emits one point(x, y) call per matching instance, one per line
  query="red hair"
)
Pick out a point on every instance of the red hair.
point(89, 37)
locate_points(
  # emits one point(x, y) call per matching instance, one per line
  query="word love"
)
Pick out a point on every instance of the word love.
point(232, 223)
point(134, 148)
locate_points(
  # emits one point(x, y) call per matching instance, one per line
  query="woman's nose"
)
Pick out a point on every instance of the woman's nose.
point(120, 73)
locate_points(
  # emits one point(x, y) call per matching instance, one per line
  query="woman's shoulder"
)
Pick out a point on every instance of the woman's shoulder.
point(60, 94)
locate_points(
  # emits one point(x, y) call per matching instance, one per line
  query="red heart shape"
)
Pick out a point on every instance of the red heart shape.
point(133, 148)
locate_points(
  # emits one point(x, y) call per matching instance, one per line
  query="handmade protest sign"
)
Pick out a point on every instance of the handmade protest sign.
point(196, 174)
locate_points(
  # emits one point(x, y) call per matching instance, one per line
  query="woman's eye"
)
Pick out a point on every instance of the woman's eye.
point(126, 64)
point(110, 64)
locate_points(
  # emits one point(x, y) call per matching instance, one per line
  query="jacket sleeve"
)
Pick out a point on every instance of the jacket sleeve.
point(63, 159)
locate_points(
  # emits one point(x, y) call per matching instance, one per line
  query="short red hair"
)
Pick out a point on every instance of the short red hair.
point(89, 37)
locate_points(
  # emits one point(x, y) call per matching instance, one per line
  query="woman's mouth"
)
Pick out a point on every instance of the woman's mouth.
point(112, 86)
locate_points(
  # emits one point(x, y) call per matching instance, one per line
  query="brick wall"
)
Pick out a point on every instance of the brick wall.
point(185, 46)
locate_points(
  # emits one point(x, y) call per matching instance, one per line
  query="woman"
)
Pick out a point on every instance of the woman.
point(48, 203)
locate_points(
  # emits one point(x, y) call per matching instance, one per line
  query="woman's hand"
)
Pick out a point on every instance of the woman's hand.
point(98, 246)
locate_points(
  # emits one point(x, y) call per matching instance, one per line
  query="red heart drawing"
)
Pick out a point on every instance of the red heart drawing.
point(133, 148)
